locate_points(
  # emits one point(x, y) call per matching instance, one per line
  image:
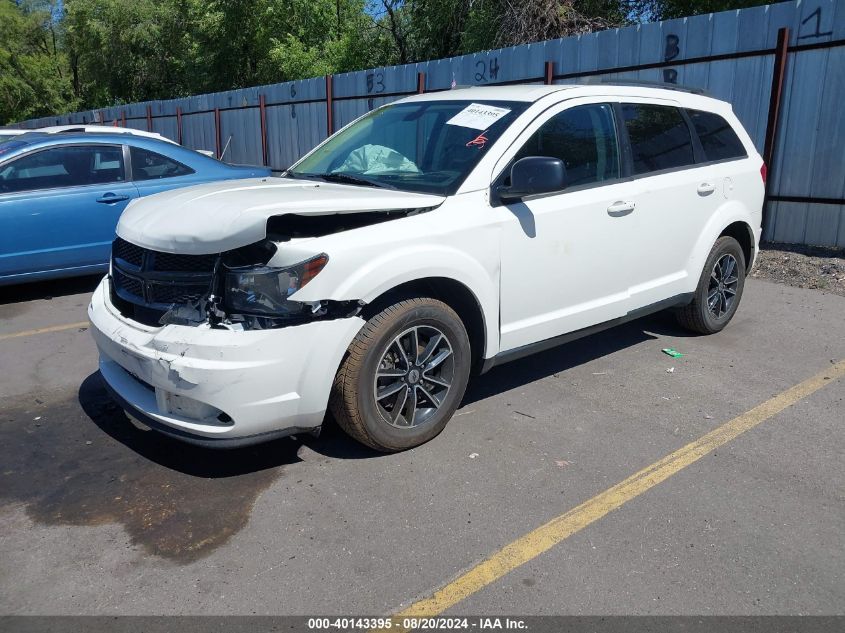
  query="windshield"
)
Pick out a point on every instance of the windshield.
point(425, 147)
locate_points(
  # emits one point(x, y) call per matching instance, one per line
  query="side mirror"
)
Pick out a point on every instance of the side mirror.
point(532, 175)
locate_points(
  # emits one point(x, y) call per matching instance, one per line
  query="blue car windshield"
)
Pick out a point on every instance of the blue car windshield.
point(424, 147)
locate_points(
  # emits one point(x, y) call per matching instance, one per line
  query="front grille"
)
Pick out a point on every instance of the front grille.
point(147, 283)
point(128, 252)
point(177, 293)
point(184, 263)
point(128, 285)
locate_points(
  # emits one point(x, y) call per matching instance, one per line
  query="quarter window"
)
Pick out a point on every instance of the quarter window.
point(64, 166)
point(717, 137)
point(584, 138)
point(147, 165)
point(659, 135)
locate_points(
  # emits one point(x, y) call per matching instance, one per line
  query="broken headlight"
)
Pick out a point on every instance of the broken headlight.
point(264, 290)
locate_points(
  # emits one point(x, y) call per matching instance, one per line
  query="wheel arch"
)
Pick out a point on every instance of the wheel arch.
point(731, 219)
point(466, 280)
point(453, 293)
point(741, 231)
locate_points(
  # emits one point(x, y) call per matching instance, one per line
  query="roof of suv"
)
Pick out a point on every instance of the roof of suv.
point(532, 93)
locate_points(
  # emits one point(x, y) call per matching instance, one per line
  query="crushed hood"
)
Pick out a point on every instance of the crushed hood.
point(220, 216)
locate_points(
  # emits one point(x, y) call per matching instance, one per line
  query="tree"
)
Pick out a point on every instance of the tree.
point(34, 72)
point(247, 42)
point(122, 51)
point(539, 20)
point(653, 10)
point(432, 29)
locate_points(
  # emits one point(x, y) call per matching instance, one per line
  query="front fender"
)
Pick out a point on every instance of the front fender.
point(373, 277)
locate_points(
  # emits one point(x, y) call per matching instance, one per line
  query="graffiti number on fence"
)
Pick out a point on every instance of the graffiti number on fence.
point(486, 70)
point(670, 76)
point(672, 47)
point(375, 82)
point(672, 50)
point(818, 32)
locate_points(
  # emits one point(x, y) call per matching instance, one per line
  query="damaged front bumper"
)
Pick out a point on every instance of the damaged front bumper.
point(218, 387)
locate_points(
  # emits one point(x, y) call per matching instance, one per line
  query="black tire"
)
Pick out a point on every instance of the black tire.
point(700, 315)
point(354, 400)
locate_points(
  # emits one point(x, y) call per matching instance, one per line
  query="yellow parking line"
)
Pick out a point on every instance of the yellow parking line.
point(546, 536)
point(45, 330)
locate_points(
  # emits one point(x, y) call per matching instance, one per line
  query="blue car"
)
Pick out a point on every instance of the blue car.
point(62, 194)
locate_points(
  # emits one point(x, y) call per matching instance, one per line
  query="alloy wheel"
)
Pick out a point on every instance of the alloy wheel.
point(414, 376)
point(721, 292)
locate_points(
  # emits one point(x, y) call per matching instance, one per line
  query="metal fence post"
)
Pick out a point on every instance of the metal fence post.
point(149, 118)
point(420, 83)
point(179, 124)
point(262, 108)
point(217, 143)
point(329, 105)
point(778, 73)
point(123, 118)
point(549, 73)
point(773, 122)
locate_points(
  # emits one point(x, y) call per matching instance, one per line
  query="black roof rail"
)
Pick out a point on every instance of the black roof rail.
point(647, 84)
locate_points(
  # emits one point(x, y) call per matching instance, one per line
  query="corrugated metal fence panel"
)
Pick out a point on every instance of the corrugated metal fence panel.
point(292, 130)
point(810, 153)
point(240, 134)
point(376, 81)
point(198, 131)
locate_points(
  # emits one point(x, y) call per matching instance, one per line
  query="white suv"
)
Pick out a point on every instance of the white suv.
point(437, 235)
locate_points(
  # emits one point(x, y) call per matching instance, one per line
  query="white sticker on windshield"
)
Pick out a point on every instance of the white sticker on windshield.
point(478, 116)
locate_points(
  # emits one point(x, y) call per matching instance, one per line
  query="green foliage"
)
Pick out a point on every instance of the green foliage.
point(170, 48)
point(122, 51)
point(652, 10)
point(432, 29)
point(34, 73)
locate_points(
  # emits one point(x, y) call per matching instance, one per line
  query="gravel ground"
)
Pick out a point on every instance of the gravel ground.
point(802, 266)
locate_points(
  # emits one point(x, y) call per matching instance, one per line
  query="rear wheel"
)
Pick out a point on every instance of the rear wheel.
point(403, 376)
point(719, 290)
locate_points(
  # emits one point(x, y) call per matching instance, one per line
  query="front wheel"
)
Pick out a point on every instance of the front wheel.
point(719, 290)
point(403, 376)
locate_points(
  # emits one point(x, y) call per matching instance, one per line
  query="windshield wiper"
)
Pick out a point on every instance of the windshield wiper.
point(344, 178)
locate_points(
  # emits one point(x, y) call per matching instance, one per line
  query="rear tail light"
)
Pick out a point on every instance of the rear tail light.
point(764, 172)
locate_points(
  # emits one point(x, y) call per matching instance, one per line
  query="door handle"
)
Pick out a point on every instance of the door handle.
point(621, 207)
point(111, 198)
point(706, 188)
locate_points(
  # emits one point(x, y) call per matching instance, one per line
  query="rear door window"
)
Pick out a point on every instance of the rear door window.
point(717, 137)
point(147, 165)
point(659, 135)
point(64, 166)
point(584, 138)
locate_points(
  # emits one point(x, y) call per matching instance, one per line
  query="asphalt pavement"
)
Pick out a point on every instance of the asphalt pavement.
point(100, 516)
